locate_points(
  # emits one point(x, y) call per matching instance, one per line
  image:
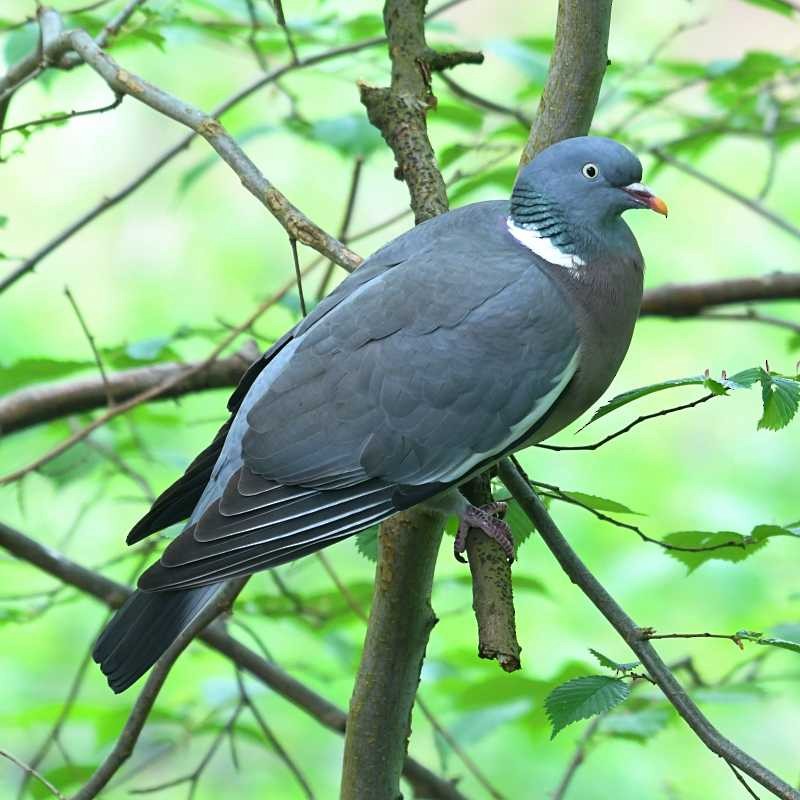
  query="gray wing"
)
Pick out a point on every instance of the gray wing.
point(433, 358)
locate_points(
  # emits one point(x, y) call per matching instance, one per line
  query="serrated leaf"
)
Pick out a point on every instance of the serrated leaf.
point(742, 546)
point(601, 503)
point(784, 644)
point(638, 726)
point(635, 394)
point(519, 522)
point(789, 631)
point(605, 661)
point(582, 698)
point(367, 543)
point(781, 398)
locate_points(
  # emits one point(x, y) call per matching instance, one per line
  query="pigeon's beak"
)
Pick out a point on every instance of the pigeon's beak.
point(642, 195)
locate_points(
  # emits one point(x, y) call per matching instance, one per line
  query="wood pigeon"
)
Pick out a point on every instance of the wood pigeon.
point(472, 335)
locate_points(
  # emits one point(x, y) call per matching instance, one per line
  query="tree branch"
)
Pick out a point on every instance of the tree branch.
point(580, 575)
point(401, 617)
point(126, 741)
point(687, 299)
point(576, 72)
point(425, 782)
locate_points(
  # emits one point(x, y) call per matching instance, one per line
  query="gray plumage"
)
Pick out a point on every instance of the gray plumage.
point(449, 347)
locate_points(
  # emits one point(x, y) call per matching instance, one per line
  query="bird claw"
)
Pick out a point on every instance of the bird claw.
point(487, 519)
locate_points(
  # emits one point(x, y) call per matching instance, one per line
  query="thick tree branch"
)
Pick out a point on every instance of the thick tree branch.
point(113, 594)
point(401, 617)
point(682, 300)
point(44, 402)
point(580, 575)
point(576, 72)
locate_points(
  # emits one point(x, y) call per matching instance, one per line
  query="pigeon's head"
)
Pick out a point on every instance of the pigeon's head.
point(587, 181)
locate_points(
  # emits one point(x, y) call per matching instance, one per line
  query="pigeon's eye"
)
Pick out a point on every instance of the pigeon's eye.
point(590, 171)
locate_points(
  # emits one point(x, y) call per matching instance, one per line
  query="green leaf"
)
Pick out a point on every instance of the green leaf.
point(605, 661)
point(601, 503)
point(519, 522)
point(781, 397)
point(36, 370)
point(785, 644)
point(3, 221)
point(742, 546)
point(474, 726)
point(638, 726)
point(582, 698)
point(367, 543)
point(635, 394)
point(788, 630)
point(778, 6)
point(74, 463)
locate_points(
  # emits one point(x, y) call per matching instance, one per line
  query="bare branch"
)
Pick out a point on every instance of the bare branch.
point(169, 383)
point(484, 102)
point(629, 426)
point(579, 574)
point(30, 771)
point(126, 741)
point(44, 402)
point(112, 200)
point(53, 118)
point(93, 346)
point(681, 300)
point(113, 594)
point(344, 228)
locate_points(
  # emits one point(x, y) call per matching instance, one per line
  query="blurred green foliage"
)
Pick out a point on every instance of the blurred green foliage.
point(165, 274)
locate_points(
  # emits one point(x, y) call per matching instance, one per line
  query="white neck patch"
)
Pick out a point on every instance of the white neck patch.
point(543, 246)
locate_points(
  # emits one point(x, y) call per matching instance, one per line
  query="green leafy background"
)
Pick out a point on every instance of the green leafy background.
point(160, 277)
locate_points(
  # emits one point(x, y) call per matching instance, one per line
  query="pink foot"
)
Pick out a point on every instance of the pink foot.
point(484, 519)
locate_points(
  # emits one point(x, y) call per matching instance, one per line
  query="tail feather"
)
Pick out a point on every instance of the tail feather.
point(143, 628)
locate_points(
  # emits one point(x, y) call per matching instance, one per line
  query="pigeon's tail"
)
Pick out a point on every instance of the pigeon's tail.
point(143, 629)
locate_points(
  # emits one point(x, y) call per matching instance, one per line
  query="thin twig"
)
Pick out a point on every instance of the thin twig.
point(751, 315)
point(65, 116)
point(628, 427)
point(740, 778)
point(281, 20)
point(298, 276)
point(483, 102)
point(93, 345)
point(749, 203)
point(580, 575)
point(126, 741)
point(425, 782)
point(269, 735)
point(148, 394)
point(344, 228)
point(578, 757)
point(30, 771)
point(559, 494)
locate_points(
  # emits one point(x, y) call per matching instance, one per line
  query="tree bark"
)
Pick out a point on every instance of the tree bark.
point(577, 68)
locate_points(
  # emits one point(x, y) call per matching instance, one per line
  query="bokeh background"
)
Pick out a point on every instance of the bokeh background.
point(189, 253)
